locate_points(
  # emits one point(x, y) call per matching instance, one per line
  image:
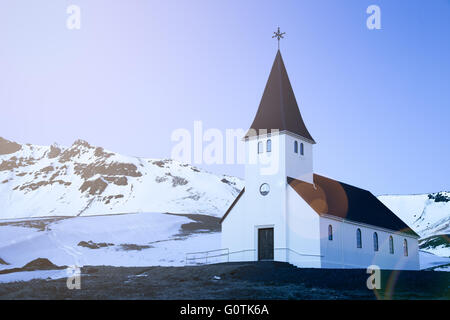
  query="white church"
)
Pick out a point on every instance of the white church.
point(288, 213)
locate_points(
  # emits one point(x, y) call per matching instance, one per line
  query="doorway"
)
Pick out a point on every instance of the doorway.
point(265, 244)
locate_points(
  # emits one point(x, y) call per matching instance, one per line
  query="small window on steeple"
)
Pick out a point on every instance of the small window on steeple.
point(260, 147)
point(295, 146)
point(269, 145)
point(301, 149)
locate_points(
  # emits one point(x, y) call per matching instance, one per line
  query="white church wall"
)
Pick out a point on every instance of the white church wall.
point(342, 251)
point(235, 234)
point(303, 233)
point(254, 210)
point(299, 166)
point(269, 210)
point(331, 250)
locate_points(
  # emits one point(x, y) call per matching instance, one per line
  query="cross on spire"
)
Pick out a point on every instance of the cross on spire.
point(278, 35)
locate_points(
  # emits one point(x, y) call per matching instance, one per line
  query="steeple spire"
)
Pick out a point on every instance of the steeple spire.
point(278, 108)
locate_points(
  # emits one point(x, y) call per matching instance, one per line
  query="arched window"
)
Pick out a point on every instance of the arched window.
point(301, 148)
point(260, 147)
point(391, 245)
point(358, 238)
point(295, 146)
point(405, 248)
point(269, 145)
point(375, 241)
point(330, 232)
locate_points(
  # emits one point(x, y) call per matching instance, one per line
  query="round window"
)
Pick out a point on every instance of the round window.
point(264, 189)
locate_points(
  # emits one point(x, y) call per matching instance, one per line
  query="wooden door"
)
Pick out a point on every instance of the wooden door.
point(265, 244)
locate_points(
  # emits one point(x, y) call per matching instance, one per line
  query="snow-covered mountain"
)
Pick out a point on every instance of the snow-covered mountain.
point(80, 180)
point(428, 215)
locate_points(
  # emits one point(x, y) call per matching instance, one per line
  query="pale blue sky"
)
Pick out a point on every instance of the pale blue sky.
point(377, 102)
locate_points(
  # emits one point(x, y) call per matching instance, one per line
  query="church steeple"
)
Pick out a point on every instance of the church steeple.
point(278, 108)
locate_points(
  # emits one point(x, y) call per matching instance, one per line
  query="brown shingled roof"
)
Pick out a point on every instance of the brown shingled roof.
point(331, 197)
point(278, 108)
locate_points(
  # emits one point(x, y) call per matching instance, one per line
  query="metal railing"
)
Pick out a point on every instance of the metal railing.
point(212, 256)
point(300, 254)
point(193, 257)
point(223, 255)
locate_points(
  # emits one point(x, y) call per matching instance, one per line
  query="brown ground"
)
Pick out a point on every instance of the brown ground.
point(253, 280)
